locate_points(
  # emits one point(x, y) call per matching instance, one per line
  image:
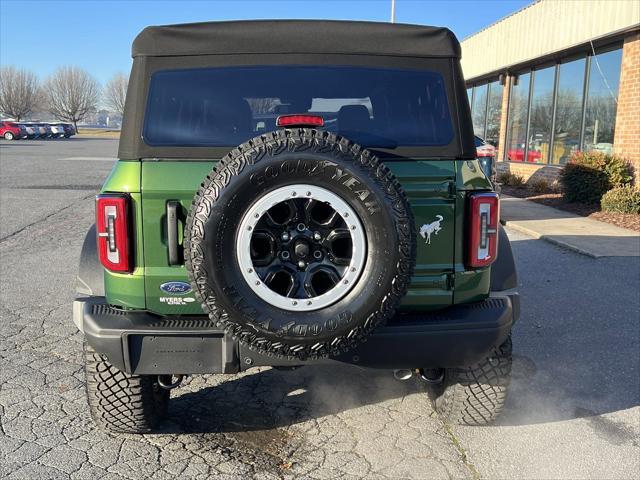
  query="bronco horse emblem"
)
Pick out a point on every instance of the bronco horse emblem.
point(433, 227)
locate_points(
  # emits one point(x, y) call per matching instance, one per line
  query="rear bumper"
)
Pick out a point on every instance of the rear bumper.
point(143, 343)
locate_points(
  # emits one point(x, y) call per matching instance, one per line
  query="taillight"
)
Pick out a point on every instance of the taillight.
point(299, 121)
point(112, 229)
point(484, 215)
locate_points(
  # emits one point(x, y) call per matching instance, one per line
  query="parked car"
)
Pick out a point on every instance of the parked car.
point(483, 148)
point(12, 131)
point(486, 155)
point(57, 130)
point(30, 129)
point(292, 246)
point(40, 130)
point(68, 130)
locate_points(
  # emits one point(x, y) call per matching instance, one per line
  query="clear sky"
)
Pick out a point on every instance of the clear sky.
point(97, 35)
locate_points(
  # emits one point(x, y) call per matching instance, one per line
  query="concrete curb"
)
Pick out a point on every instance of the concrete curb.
point(554, 241)
point(579, 234)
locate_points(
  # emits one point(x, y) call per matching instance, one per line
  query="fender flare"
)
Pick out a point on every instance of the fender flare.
point(90, 279)
point(504, 275)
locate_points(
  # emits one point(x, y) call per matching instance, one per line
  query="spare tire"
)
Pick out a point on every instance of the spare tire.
point(299, 243)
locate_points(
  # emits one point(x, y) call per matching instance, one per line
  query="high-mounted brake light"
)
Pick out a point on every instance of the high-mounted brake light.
point(112, 230)
point(299, 121)
point(484, 215)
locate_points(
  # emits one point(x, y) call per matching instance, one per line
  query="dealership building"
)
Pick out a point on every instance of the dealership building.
point(554, 78)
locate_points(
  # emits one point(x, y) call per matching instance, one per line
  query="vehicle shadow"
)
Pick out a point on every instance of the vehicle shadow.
point(264, 399)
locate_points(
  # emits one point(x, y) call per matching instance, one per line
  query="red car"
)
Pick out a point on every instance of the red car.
point(11, 131)
point(517, 154)
point(484, 149)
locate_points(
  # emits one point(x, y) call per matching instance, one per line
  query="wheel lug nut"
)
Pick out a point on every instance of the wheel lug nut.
point(317, 254)
point(285, 255)
point(301, 227)
point(301, 264)
point(285, 236)
point(317, 237)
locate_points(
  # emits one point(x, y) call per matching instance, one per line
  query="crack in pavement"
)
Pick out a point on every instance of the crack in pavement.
point(45, 218)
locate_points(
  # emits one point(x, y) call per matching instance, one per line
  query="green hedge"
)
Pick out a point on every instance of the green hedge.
point(589, 175)
point(624, 199)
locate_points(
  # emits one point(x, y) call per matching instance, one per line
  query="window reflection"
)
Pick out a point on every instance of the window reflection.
point(568, 111)
point(494, 113)
point(541, 115)
point(604, 79)
point(518, 119)
point(570, 133)
point(479, 109)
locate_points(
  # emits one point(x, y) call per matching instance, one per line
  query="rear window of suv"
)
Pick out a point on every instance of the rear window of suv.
point(375, 107)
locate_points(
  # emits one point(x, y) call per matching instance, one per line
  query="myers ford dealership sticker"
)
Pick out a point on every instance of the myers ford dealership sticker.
point(181, 301)
point(176, 288)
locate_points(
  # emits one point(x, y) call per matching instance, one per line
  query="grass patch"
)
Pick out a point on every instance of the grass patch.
point(98, 132)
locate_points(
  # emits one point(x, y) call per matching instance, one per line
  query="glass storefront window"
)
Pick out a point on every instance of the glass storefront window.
point(479, 109)
point(568, 111)
point(541, 115)
point(494, 114)
point(518, 109)
point(470, 94)
point(600, 118)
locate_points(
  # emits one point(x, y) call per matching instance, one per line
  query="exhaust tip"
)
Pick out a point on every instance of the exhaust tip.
point(433, 376)
point(402, 374)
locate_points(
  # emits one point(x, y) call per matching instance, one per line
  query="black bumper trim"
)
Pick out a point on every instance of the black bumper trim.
point(144, 343)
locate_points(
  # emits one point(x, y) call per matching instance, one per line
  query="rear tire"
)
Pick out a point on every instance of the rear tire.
point(475, 395)
point(120, 402)
point(8, 136)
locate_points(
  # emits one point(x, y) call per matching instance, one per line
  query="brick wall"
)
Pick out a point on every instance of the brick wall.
point(502, 135)
point(627, 133)
point(502, 138)
point(530, 171)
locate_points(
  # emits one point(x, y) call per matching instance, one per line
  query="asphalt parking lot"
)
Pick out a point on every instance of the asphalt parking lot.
point(573, 411)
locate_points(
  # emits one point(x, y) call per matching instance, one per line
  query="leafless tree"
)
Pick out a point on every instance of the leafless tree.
point(19, 92)
point(71, 93)
point(115, 93)
point(262, 105)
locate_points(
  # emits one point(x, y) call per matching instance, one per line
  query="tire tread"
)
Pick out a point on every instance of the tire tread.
point(120, 402)
point(476, 395)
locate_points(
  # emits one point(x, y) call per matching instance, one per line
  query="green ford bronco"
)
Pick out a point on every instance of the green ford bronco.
point(292, 193)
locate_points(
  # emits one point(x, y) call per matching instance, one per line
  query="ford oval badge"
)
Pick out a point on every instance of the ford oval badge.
point(176, 288)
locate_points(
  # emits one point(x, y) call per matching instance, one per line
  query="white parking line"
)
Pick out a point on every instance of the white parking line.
point(91, 159)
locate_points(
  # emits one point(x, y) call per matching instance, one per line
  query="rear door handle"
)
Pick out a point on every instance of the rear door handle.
point(172, 232)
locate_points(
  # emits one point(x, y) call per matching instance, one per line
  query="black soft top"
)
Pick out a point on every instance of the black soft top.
point(295, 36)
point(293, 42)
